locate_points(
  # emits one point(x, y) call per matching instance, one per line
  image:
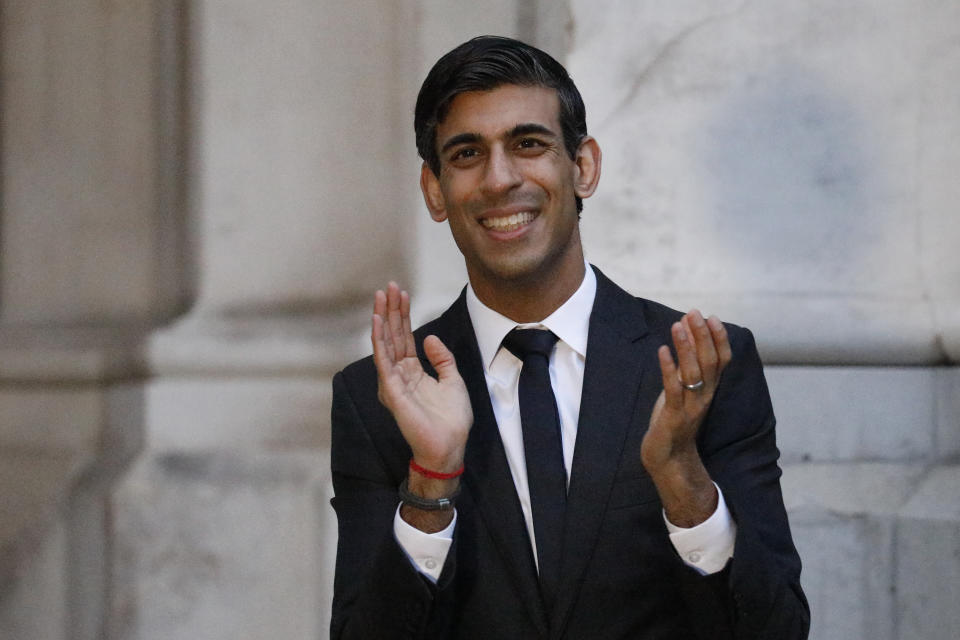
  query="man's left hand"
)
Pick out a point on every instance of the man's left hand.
point(669, 449)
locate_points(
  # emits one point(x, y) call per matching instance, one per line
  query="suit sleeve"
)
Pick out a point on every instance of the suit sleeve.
point(758, 595)
point(378, 593)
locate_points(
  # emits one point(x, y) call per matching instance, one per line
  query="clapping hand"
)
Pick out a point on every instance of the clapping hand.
point(434, 414)
point(669, 449)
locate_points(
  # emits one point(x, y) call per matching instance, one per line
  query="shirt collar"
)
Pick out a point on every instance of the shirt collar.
point(570, 321)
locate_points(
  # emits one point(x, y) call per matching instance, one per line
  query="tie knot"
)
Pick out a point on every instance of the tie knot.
point(525, 342)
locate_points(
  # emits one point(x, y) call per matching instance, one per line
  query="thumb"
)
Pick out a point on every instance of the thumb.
point(441, 359)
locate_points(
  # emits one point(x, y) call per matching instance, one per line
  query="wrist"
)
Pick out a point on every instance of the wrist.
point(686, 491)
point(670, 459)
point(440, 465)
point(437, 475)
point(432, 488)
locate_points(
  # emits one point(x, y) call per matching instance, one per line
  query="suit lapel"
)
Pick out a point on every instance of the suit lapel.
point(487, 474)
point(618, 361)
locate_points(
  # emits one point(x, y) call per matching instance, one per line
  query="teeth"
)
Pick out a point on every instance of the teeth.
point(508, 223)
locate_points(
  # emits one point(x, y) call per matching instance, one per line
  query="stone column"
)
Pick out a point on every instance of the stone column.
point(89, 247)
point(223, 528)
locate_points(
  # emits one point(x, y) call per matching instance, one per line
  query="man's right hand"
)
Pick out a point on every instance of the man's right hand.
point(434, 414)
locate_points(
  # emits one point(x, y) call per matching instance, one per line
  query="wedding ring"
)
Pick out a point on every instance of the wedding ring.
point(696, 386)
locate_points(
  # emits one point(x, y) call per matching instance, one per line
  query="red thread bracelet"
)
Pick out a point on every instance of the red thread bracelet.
point(436, 475)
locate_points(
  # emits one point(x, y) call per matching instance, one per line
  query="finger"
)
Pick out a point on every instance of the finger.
point(411, 346)
point(441, 359)
point(382, 359)
point(380, 303)
point(672, 389)
point(686, 354)
point(395, 321)
point(722, 343)
point(378, 332)
point(705, 349)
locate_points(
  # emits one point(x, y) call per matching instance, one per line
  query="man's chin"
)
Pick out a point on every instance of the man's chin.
point(513, 269)
point(515, 272)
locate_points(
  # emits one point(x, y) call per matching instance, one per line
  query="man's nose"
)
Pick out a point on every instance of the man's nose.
point(502, 172)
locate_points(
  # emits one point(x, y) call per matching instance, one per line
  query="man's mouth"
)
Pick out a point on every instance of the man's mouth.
point(508, 223)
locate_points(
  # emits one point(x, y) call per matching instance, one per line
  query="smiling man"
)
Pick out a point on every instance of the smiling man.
point(552, 457)
point(507, 186)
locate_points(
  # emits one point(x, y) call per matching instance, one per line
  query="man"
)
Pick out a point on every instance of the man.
point(562, 473)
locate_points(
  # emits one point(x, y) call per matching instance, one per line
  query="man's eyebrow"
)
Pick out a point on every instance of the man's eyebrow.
point(530, 127)
point(460, 138)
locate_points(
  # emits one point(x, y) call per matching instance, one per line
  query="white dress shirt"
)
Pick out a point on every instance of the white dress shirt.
point(705, 547)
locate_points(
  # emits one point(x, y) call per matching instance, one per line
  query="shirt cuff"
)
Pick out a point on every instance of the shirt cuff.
point(708, 546)
point(426, 551)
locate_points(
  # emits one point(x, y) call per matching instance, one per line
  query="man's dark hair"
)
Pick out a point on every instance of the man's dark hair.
point(485, 63)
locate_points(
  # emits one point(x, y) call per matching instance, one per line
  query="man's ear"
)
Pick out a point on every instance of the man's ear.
point(587, 167)
point(432, 194)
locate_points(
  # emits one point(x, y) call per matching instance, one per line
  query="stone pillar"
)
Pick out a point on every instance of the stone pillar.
point(223, 528)
point(90, 226)
point(89, 248)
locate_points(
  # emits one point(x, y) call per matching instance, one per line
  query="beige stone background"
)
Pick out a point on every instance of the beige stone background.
point(198, 198)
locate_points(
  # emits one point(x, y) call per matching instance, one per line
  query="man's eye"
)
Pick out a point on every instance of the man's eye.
point(531, 146)
point(463, 154)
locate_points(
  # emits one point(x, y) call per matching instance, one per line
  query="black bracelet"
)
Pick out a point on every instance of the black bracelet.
point(427, 504)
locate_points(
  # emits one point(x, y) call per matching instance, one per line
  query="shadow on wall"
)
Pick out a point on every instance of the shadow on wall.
point(790, 177)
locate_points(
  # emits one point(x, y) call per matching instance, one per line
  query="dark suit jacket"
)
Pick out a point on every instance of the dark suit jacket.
point(621, 577)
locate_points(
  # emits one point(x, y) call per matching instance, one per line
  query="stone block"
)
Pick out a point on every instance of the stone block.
point(928, 558)
point(843, 519)
point(949, 325)
point(938, 162)
point(51, 418)
point(856, 413)
point(35, 544)
point(765, 160)
point(88, 423)
point(82, 154)
point(33, 486)
point(60, 448)
point(849, 489)
point(223, 546)
point(297, 207)
point(77, 355)
point(948, 413)
point(268, 345)
point(847, 574)
point(33, 605)
point(86, 582)
point(273, 414)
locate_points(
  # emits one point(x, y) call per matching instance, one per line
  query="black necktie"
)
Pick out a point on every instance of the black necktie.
point(543, 451)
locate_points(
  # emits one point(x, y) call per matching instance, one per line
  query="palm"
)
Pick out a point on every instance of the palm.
point(702, 353)
point(671, 429)
point(434, 414)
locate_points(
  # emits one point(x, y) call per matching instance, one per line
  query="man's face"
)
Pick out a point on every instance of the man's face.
point(507, 185)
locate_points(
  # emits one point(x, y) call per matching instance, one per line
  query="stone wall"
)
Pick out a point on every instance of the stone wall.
point(784, 166)
point(222, 528)
point(91, 260)
point(199, 197)
point(787, 162)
